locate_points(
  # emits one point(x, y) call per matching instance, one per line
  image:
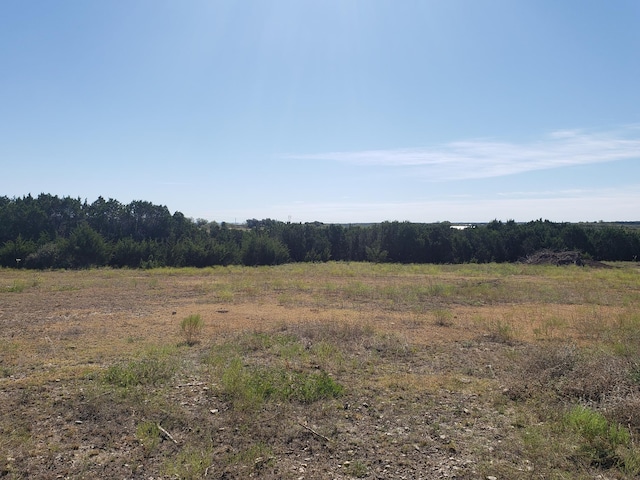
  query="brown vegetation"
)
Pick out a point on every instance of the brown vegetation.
point(549, 257)
point(321, 371)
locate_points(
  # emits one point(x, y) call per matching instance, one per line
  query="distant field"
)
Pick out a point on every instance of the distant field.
point(334, 370)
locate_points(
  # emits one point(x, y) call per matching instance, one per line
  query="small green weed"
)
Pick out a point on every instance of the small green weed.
point(190, 464)
point(311, 387)
point(240, 387)
point(439, 290)
point(634, 373)
point(287, 299)
point(603, 440)
point(191, 328)
point(356, 469)
point(327, 354)
point(148, 434)
point(267, 342)
point(358, 290)
point(443, 318)
point(624, 335)
point(631, 461)
point(257, 455)
point(548, 328)
point(224, 295)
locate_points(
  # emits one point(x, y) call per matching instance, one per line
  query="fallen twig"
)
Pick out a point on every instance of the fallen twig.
point(167, 434)
point(314, 432)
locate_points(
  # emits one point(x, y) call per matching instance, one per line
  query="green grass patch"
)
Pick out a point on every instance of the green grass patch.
point(605, 444)
point(191, 463)
point(257, 456)
point(17, 286)
point(249, 386)
point(356, 469)
point(154, 369)
point(624, 335)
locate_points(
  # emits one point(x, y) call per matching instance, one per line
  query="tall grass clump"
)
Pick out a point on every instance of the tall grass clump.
point(501, 331)
point(191, 329)
point(17, 286)
point(443, 318)
point(624, 335)
point(605, 444)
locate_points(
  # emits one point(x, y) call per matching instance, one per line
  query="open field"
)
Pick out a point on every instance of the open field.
point(314, 371)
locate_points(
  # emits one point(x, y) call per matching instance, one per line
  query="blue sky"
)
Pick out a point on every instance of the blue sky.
point(334, 110)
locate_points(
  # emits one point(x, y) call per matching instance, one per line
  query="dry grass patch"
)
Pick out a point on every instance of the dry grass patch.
point(432, 383)
point(340, 370)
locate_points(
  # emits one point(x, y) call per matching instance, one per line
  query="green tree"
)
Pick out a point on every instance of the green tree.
point(86, 247)
point(108, 218)
point(144, 221)
point(128, 253)
point(13, 253)
point(259, 249)
point(48, 255)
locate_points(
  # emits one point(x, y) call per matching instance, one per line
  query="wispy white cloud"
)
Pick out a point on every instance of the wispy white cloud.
point(550, 193)
point(484, 159)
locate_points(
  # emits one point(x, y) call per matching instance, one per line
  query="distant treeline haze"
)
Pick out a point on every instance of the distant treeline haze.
point(52, 232)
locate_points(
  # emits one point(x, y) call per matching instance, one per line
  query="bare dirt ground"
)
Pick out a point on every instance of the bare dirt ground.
point(425, 359)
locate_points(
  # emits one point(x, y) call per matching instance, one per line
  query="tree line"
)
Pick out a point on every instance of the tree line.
point(52, 232)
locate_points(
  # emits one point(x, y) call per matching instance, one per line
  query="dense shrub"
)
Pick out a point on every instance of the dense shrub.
point(259, 249)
